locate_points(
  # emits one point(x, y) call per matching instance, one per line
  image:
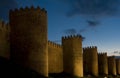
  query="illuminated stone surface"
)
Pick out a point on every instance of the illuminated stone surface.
point(28, 38)
point(90, 60)
point(111, 65)
point(72, 55)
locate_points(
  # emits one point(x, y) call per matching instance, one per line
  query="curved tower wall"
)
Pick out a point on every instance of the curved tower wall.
point(28, 38)
point(118, 66)
point(4, 40)
point(112, 65)
point(103, 64)
point(72, 55)
point(86, 61)
point(90, 58)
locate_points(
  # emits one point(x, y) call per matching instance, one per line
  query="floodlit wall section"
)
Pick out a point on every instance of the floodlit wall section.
point(55, 57)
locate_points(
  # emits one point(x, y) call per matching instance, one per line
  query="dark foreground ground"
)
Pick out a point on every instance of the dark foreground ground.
point(9, 69)
point(63, 75)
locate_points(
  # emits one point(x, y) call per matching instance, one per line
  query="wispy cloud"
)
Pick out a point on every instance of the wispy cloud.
point(92, 10)
point(5, 6)
point(96, 8)
point(70, 31)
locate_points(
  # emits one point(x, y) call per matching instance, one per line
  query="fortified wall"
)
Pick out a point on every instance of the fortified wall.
point(25, 42)
point(103, 64)
point(55, 57)
point(72, 55)
point(4, 40)
point(90, 60)
point(28, 38)
point(112, 65)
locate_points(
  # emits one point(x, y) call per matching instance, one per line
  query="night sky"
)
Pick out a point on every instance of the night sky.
point(96, 20)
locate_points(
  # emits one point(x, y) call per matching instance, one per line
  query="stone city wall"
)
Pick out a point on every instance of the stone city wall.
point(55, 57)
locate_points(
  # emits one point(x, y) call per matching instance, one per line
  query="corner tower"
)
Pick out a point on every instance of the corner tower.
point(28, 38)
point(72, 55)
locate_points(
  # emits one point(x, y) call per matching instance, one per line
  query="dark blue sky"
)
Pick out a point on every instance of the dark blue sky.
point(97, 20)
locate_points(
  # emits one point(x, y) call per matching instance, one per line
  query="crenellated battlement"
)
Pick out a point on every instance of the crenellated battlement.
point(26, 9)
point(4, 26)
point(71, 37)
point(102, 54)
point(50, 43)
point(90, 47)
point(112, 57)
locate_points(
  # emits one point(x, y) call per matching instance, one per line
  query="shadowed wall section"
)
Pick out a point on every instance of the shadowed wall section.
point(72, 55)
point(112, 65)
point(28, 38)
point(90, 60)
point(55, 58)
point(103, 64)
point(4, 40)
point(118, 66)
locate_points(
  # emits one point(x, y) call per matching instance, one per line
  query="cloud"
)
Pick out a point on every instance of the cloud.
point(93, 23)
point(5, 6)
point(71, 31)
point(90, 24)
point(95, 8)
point(92, 11)
point(83, 30)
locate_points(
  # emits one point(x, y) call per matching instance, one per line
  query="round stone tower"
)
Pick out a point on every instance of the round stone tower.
point(90, 57)
point(118, 66)
point(72, 55)
point(103, 64)
point(112, 65)
point(28, 38)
